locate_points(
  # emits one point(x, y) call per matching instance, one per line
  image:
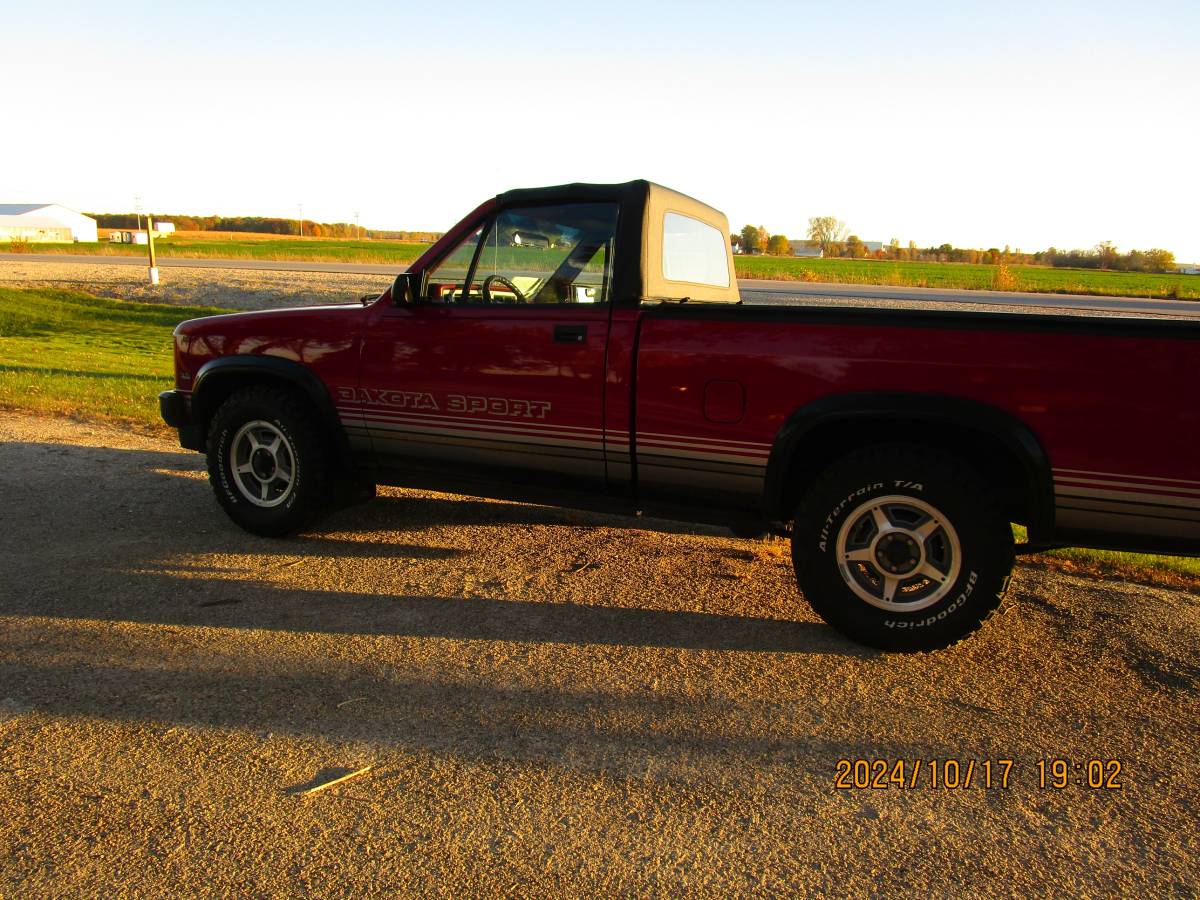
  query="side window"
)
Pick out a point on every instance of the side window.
point(538, 254)
point(694, 251)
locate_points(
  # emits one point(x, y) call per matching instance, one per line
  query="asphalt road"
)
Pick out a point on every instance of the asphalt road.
point(753, 290)
point(793, 292)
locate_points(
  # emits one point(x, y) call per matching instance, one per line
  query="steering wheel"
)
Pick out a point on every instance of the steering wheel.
point(503, 282)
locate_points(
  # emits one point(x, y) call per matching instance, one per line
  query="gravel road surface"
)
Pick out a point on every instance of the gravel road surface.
point(552, 703)
point(254, 284)
point(196, 286)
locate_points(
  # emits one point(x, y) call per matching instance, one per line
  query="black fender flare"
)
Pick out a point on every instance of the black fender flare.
point(246, 367)
point(1008, 431)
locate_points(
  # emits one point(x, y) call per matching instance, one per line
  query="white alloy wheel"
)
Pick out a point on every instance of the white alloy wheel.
point(898, 553)
point(263, 463)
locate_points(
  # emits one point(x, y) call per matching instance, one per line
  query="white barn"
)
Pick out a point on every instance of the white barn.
point(42, 222)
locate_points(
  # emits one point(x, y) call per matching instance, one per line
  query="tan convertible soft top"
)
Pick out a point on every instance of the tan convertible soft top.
point(642, 271)
point(661, 202)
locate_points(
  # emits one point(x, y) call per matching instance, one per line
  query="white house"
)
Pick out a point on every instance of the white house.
point(43, 222)
point(808, 249)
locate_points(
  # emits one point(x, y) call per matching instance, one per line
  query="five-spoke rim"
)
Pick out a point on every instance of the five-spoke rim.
point(263, 463)
point(898, 553)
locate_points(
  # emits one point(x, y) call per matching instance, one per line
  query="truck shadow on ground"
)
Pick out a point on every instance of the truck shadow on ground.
point(454, 718)
point(210, 632)
point(421, 510)
point(139, 568)
point(238, 603)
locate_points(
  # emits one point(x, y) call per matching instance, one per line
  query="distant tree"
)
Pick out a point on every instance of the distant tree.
point(855, 248)
point(749, 238)
point(735, 241)
point(826, 231)
point(1160, 260)
point(1107, 254)
point(764, 238)
point(893, 249)
point(778, 245)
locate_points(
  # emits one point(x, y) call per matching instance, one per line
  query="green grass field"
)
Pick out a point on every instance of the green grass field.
point(305, 250)
point(73, 354)
point(958, 276)
point(963, 276)
point(68, 353)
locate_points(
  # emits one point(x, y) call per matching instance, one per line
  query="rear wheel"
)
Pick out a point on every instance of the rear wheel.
point(266, 461)
point(902, 548)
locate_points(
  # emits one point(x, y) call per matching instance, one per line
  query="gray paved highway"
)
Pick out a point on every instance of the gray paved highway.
point(753, 290)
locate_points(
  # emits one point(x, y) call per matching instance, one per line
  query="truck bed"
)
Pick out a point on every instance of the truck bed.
point(1108, 397)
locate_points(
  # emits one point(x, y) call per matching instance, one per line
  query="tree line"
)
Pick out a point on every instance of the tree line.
point(830, 235)
point(263, 225)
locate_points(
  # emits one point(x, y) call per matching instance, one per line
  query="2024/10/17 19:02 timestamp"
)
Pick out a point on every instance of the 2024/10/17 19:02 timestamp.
point(952, 774)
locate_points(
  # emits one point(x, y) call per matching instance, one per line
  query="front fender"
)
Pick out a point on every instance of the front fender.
point(219, 377)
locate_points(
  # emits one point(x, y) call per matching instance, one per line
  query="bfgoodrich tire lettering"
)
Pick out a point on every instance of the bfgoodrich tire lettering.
point(291, 464)
point(902, 548)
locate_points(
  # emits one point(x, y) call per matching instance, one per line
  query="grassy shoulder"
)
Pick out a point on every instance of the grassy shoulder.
point(73, 354)
point(955, 276)
point(1142, 568)
point(1180, 572)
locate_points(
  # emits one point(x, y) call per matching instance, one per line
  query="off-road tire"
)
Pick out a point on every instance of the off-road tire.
point(869, 479)
point(289, 413)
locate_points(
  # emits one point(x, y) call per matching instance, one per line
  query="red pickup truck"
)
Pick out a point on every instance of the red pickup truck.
point(585, 345)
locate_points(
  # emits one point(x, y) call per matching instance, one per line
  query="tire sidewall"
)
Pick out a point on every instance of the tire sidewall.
point(985, 546)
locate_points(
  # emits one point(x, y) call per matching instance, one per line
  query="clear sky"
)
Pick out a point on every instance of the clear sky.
point(975, 124)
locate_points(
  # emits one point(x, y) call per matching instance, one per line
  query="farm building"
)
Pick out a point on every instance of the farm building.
point(42, 222)
point(137, 236)
point(808, 249)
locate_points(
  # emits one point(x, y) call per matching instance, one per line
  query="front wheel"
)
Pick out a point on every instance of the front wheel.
point(266, 461)
point(902, 548)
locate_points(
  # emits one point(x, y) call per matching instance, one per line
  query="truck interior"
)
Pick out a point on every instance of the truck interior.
point(545, 254)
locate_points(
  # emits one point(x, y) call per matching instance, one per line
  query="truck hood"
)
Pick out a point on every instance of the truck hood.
point(311, 336)
point(269, 318)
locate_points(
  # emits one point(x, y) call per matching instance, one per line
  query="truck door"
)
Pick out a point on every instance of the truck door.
point(499, 366)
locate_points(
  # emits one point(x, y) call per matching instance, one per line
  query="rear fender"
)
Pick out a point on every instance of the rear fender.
point(794, 445)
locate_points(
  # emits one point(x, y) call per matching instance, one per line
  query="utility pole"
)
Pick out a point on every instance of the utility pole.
point(301, 220)
point(150, 248)
point(357, 227)
point(137, 208)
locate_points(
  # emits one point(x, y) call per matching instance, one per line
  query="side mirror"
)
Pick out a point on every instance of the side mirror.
point(403, 289)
